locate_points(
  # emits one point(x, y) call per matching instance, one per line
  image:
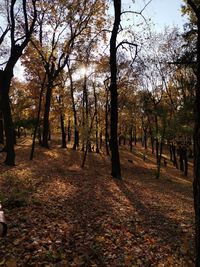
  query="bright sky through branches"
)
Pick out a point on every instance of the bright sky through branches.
point(162, 12)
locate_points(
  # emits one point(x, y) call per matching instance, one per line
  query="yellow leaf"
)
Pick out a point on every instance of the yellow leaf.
point(100, 238)
point(2, 262)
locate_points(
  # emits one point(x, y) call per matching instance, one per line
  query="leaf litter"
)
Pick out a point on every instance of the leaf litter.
point(68, 216)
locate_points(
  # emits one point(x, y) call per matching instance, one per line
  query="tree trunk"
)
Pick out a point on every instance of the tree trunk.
point(120, 140)
point(5, 81)
point(37, 123)
point(135, 136)
point(76, 132)
point(1, 129)
point(124, 140)
point(101, 139)
point(46, 115)
point(87, 141)
point(196, 182)
point(62, 125)
point(159, 159)
point(96, 120)
point(106, 125)
point(152, 145)
point(170, 152)
point(131, 138)
point(185, 158)
point(69, 130)
point(157, 148)
point(151, 135)
point(86, 116)
point(83, 121)
point(18, 132)
point(115, 161)
point(145, 139)
point(181, 163)
point(174, 156)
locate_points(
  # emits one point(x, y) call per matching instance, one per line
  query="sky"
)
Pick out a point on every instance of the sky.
point(162, 12)
point(167, 12)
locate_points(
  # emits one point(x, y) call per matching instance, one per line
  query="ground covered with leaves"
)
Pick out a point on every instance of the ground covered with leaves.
point(61, 215)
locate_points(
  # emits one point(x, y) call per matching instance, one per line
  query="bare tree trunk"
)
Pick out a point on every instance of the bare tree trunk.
point(46, 115)
point(96, 119)
point(101, 139)
point(131, 138)
point(174, 156)
point(6, 75)
point(135, 136)
point(87, 141)
point(37, 122)
point(76, 132)
point(1, 128)
point(185, 158)
point(5, 80)
point(62, 124)
point(196, 182)
point(115, 160)
point(106, 125)
point(83, 121)
point(181, 163)
point(145, 139)
point(69, 130)
point(170, 152)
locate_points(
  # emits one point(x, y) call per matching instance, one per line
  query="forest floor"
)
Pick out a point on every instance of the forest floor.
point(61, 215)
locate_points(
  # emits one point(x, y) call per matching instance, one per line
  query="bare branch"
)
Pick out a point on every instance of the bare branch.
point(138, 12)
point(125, 42)
point(145, 6)
point(12, 17)
point(4, 34)
point(25, 16)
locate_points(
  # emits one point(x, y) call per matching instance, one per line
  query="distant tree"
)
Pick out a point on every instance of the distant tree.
point(74, 109)
point(63, 27)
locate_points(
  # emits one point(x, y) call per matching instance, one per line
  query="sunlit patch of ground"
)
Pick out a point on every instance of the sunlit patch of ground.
point(62, 215)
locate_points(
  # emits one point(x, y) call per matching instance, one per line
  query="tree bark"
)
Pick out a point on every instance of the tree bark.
point(5, 81)
point(45, 136)
point(131, 138)
point(1, 128)
point(181, 158)
point(96, 120)
point(115, 160)
point(63, 133)
point(69, 130)
point(76, 132)
point(185, 158)
point(174, 156)
point(196, 182)
point(37, 122)
point(106, 125)
point(135, 136)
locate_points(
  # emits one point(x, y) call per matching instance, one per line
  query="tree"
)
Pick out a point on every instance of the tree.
point(63, 27)
point(115, 161)
point(194, 5)
point(21, 22)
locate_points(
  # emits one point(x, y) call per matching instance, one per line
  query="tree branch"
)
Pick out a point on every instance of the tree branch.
point(194, 8)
